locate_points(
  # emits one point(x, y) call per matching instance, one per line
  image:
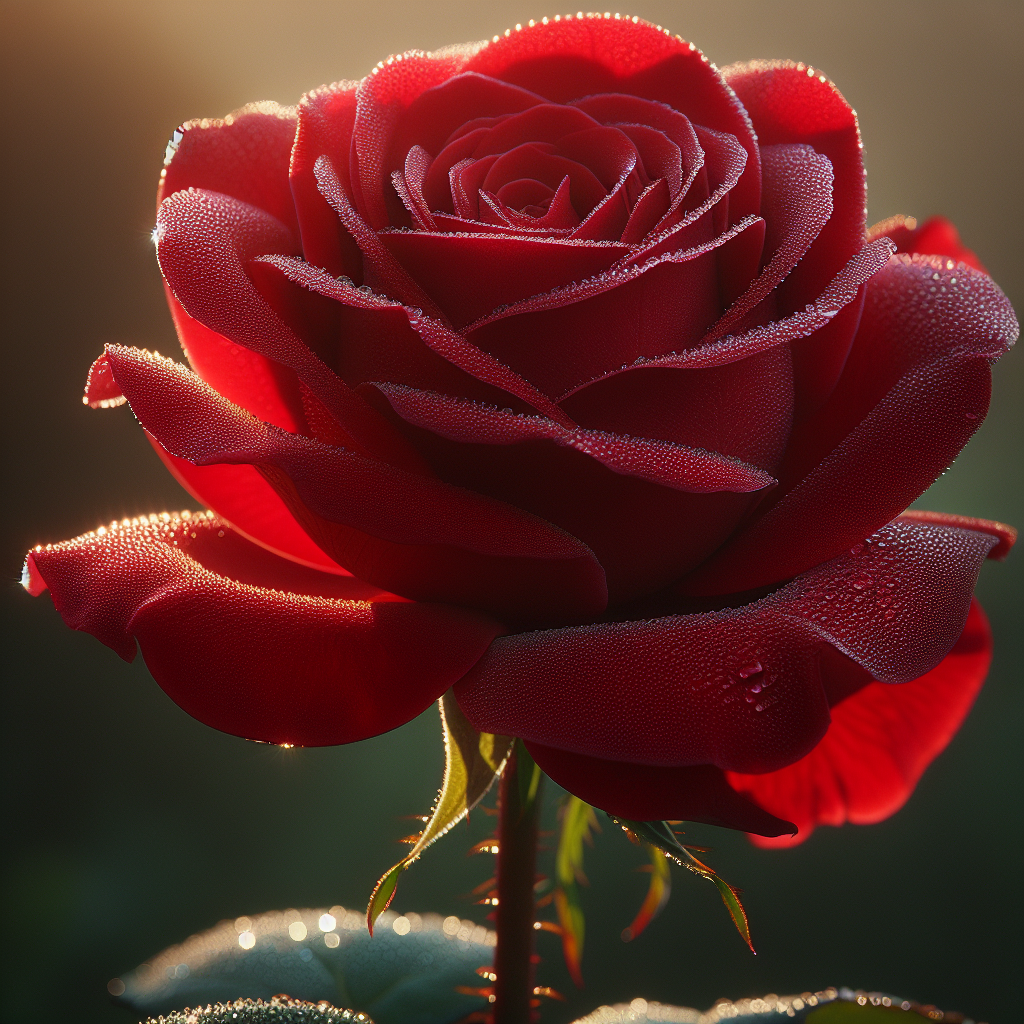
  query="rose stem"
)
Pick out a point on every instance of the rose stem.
point(518, 814)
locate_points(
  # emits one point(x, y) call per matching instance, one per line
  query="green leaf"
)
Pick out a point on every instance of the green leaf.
point(578, 822)
point(410, 972)
point(660, 834)
point(658, 893)
point(279, 1010)
point(472, 761)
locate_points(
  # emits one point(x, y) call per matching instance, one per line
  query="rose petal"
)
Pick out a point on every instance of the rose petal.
point(661, 462)
point(915, 389)
point(796, 203)
point(581, 331)
point(643, 792)
point(878, 745)
point(410, 534)
point(575, 57)
point(791, 103)
point(937, 236)
point(743, 688)
point(251, 644)
point(244, 155)
point(326, 117)
point(469, 276)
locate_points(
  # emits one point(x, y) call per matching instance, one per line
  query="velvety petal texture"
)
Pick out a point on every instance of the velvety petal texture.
point(561, 370)
point(253, 644)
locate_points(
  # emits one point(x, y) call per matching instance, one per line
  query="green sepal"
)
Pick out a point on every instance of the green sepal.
point(660, 834)
point(578, 822)
point(472, 761)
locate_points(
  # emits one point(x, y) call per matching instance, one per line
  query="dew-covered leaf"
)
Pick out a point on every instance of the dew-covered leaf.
point(831, 1006)
point(472, 761)
point(660, 835)
point(658, 892)
point(409, 972)
point(578, 822)
point(279, 1010)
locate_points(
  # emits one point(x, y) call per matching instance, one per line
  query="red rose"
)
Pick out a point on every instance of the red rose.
point(561, 370)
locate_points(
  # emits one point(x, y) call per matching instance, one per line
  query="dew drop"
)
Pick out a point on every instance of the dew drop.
point(753, 669)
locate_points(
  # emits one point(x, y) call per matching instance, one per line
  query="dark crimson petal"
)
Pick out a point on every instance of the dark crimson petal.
point(326, 117)
point(935, 237)
point(204, 241)
point(252, 644)
point(547, 122)
point(607, 152)
point(469, 276)
point(244, 155)
point(796, 203)
point(743, 409)
point(660, 157)
point(630, 112)
point(380, 270)
point(408, 533)
point(684, 469)
point(881, 740)
point(446, 343)
point(573, 57)
point(643, 792)
point(579, 332)
point(743, 688)
point(1006, 536)
point(915, 389)
point(382, 98)
point(650, 209)
point(530, 160)
point(730, 349)
point(791, 103)
point(374, 337)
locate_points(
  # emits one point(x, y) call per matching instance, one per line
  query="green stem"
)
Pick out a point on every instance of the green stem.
point(518, 814)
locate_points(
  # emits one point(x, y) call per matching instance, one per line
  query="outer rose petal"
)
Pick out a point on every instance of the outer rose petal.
point(742, 685)
point(915, 389)
point(881, 740)
point(643, 792)
point(252, 644)
point(244, 155)
point(937, 236)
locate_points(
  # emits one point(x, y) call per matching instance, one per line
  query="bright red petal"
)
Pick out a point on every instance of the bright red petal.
point(252, 644)
point(881, 740)
point(244, 155)
point(937, 236)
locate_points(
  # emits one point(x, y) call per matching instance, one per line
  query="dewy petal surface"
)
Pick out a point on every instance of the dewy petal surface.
point(743, 685)
point(916, 387)
point(423, 537)
point(252, 644)
point(880, 741)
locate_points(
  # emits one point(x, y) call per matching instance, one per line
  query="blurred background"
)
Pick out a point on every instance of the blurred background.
point(130, 826)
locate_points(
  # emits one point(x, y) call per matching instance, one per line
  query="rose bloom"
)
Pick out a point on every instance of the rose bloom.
point(561, 370)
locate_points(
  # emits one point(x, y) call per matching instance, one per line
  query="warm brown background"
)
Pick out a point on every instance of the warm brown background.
point(128, 825)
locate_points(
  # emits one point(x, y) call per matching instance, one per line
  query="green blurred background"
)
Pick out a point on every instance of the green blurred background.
point(129, 825)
